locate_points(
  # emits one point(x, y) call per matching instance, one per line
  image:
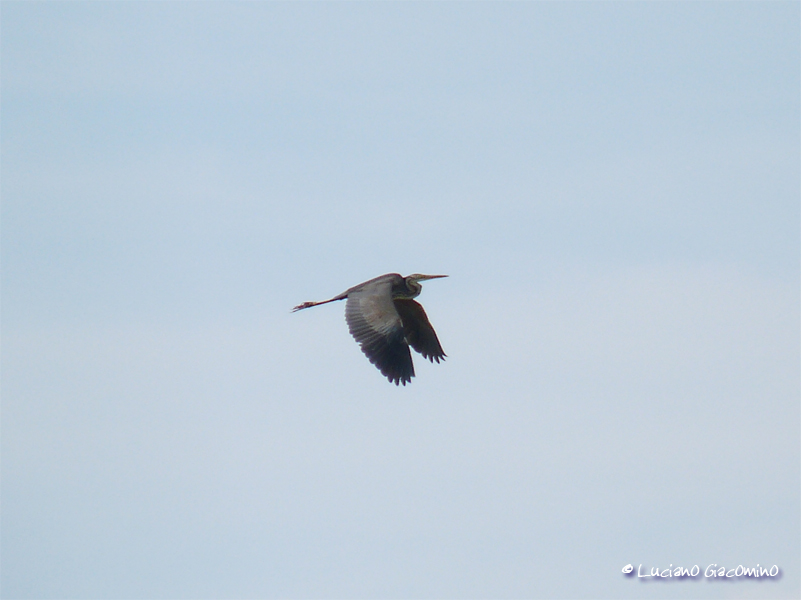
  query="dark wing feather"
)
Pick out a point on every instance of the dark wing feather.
point(418, 330)
point(376, 326)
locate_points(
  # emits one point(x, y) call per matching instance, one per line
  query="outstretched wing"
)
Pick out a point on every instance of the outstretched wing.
point(377, 327)
point(418, 330)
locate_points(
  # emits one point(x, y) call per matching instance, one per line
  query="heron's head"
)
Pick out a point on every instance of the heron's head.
point(413, 282)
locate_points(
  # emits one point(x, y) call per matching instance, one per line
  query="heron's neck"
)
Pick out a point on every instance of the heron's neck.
point(410, 289)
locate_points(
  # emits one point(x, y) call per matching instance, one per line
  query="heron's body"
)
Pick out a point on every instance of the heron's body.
point(385, 320)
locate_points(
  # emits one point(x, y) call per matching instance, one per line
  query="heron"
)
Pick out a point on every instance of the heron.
point(385, 320)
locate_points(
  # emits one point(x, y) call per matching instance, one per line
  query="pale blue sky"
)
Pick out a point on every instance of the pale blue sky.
point(613, 189)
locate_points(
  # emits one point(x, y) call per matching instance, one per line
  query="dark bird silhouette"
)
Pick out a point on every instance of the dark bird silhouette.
point(385, 321)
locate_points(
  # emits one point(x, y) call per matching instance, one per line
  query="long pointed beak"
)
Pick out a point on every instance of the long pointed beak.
point(425, 277)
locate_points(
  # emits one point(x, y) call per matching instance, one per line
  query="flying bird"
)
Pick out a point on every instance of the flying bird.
point(385, 321)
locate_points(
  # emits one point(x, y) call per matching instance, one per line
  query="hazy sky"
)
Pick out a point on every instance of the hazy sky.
point(613, 189)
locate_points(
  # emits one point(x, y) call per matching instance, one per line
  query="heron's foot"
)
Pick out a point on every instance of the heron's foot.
point(302, 306)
